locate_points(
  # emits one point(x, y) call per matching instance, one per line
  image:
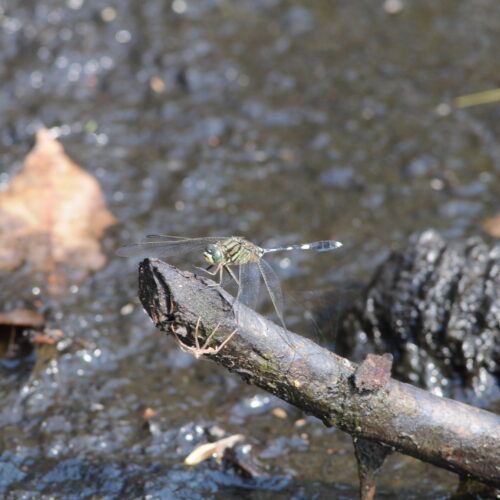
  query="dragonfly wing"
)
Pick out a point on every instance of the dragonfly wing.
point(163, 248)
point(168, 237)
point(165, 237)
point(273, 286)
point(249, 284)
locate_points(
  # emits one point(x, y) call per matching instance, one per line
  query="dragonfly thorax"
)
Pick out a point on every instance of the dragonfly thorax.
point(213, 255)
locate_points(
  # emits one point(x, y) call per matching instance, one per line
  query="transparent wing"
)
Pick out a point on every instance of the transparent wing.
point(164, 248)
point(249, 284)
point(272, 283)
point(165, 237)
point(234, 279)
point(168, 237)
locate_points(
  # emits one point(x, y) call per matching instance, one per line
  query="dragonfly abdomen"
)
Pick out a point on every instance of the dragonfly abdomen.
point(317, 246)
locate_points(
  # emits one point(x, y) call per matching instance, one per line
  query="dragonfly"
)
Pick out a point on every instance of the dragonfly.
point(224, 254)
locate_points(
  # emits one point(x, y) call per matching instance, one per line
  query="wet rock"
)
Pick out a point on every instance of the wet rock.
point(434, 305)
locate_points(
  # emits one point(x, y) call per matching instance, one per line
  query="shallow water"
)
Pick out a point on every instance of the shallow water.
point(285, 122)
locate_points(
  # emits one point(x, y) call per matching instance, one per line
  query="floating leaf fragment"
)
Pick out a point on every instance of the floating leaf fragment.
point(157, 84)
point(279, 412)
point(148, 413)
point(215, 449)
point(301, 422)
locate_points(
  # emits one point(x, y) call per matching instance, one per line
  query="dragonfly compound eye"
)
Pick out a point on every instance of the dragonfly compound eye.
point(213, 254)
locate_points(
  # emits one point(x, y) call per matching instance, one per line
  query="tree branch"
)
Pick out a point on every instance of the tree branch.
point(443, 432)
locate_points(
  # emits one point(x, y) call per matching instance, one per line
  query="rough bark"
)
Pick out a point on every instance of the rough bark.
point(446, 433)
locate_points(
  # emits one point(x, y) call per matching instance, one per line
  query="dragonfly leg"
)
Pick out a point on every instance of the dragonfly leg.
point(198, 351)
point(196, 338)
point(207, 270)
point(225, 341)
point(218, 270)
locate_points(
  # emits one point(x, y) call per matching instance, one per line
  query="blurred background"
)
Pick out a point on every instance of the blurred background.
point(283, 121)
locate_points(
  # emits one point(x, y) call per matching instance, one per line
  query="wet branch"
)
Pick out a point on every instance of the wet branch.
point(359, 401)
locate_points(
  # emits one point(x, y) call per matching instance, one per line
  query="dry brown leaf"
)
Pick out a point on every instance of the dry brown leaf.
point(492, 226)
point(212, 449)
point(52, 214)
point(21, 317)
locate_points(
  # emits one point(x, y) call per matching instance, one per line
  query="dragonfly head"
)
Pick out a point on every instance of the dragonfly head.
point(213, 255)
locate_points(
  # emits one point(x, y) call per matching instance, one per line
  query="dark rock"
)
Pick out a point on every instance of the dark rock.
point(436, 307)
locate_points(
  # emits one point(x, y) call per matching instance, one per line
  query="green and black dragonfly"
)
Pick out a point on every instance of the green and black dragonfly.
point(227, 253)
